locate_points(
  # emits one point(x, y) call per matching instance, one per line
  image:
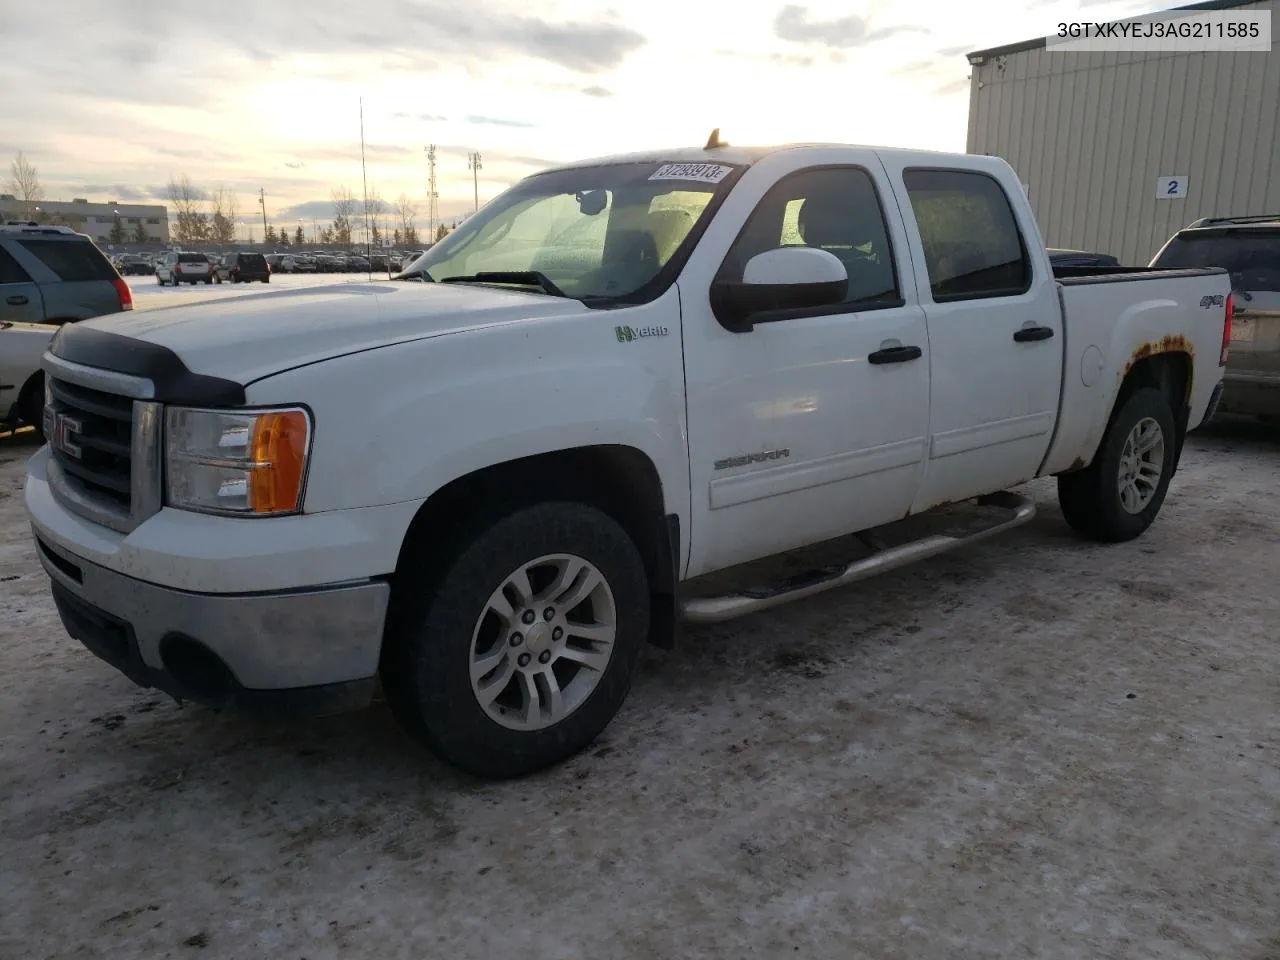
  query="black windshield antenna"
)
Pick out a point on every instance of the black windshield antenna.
point(714, 142)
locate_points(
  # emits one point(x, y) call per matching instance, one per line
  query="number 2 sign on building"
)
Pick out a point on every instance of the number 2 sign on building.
point(1171, 188)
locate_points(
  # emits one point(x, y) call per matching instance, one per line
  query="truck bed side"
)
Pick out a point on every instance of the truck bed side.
point(1113, 321)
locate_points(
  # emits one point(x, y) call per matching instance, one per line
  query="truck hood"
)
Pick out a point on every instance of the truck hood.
point(245, 338)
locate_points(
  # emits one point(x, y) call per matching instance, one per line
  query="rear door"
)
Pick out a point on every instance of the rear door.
point(20, 300)
point(995, 330)
point(83, 277)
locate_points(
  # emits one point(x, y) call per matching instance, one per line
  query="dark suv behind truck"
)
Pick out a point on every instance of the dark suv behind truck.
point(55, 275)
point(241, 268)
point(1249, 249)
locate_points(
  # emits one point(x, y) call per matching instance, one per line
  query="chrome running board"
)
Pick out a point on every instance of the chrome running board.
point(812, 582)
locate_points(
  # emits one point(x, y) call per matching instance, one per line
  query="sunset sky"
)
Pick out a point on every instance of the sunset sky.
point(111, 98)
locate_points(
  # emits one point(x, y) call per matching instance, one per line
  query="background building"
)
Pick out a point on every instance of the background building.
point(1091, 133)
point(96, 219)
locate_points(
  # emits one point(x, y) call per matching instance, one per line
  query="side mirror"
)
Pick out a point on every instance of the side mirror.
point(776, 282)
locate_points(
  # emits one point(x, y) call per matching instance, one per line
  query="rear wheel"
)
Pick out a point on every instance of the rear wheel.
point(523, 649)
point(1118, 496)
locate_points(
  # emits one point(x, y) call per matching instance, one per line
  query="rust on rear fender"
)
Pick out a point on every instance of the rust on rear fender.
point(1170, 343)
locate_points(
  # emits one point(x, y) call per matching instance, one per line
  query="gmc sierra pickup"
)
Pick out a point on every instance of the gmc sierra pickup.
point(489, 481)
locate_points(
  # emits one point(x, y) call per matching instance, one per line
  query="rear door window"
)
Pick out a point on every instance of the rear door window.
point(73, 261)
point(1252, 257)
point(972, 245)
point(10, 270)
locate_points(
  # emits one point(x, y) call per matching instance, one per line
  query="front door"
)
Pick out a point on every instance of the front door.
point(995, 331)
point(798, 429)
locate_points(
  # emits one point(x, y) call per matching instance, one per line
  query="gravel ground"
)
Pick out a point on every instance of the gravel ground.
point(1036, 748)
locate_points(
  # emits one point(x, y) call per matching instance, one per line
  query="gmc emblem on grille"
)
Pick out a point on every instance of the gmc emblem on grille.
point(66, 430)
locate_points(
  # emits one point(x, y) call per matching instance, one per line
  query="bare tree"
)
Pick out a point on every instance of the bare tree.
point(222, 225)
point(406, 214)
point(24, 181)
point(192, 224)
point(344, 206)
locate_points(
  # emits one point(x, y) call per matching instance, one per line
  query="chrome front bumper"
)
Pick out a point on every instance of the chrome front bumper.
point(317, 647)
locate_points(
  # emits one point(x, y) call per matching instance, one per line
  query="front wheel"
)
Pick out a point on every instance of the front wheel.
point(1118, 496)
point(523, 649)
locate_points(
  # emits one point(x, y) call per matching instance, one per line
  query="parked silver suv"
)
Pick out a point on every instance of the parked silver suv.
point(179, 268)
point(1249, 249)
point(55, 275)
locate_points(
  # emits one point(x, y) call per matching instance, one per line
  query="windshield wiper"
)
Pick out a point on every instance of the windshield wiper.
point(524, 278)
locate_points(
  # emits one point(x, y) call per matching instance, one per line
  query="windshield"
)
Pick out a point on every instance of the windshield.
point(592, 232)
point(1252, 257)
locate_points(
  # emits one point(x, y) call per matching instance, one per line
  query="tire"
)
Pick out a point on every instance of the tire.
point(209, 280)
point(1092, 499)
point(159, 279)
point(266, 279)
point(31, 403)
point(447, 621)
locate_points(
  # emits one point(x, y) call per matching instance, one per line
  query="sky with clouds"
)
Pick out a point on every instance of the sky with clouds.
point(112, 98)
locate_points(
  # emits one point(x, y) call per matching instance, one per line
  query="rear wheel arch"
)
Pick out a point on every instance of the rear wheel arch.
point(1171, 373)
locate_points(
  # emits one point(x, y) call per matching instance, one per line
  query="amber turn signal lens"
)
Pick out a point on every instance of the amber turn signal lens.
point(278, 452)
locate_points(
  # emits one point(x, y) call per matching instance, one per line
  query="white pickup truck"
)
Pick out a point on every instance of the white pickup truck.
point(488, 482)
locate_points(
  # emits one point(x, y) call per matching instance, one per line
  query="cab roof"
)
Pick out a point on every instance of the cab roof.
point(740, 156)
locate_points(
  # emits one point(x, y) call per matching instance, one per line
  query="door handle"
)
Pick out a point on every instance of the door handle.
point(1031, 334)
point(895, 355)
point(16, 301)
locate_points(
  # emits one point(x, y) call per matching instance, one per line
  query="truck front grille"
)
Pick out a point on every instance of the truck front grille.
point(90, 435)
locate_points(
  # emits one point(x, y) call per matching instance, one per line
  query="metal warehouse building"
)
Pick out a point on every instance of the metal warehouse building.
point(1094, 135)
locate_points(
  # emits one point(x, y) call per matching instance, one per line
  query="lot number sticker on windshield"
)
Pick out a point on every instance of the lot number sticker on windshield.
point(701, 172)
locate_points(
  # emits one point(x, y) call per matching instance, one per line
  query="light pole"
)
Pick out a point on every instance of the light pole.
point(262, 201)
point(474, 165)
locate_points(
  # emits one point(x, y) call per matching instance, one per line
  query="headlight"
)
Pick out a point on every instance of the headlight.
point(242, 462)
